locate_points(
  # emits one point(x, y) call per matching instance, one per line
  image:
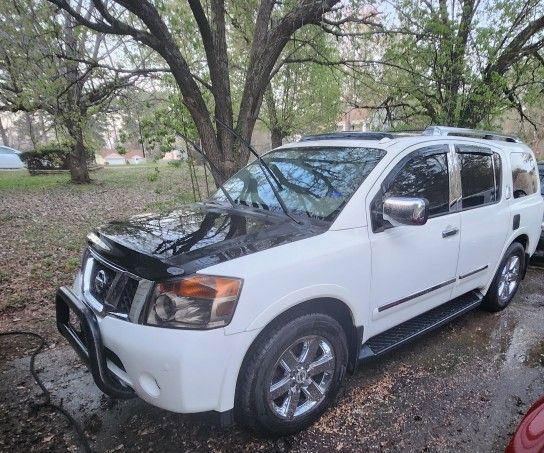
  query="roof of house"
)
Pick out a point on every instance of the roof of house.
point(354, 115)
point(114, 156)
point(104, 152)
point(131, 153)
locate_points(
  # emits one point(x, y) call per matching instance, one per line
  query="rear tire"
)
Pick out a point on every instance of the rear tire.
point(291, 374)
point(507, 279)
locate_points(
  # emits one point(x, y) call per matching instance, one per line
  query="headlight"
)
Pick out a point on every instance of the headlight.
point(196, 302)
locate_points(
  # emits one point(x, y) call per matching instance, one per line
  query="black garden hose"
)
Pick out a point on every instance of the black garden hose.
point(46, 395)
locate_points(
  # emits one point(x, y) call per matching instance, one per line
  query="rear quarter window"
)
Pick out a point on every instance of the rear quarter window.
point(524, 174)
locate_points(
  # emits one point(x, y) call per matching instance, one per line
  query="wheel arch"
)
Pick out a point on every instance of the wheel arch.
point(519, 236)
point(523, 239)
point(333, 307)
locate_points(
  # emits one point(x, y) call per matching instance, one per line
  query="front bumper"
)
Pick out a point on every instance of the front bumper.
point(178, 370)
point(87, 342)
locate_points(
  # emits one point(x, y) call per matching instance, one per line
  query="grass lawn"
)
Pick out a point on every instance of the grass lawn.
point(21, 180)
point(44, 221)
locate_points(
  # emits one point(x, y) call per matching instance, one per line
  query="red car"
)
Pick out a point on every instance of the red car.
point(529, 437)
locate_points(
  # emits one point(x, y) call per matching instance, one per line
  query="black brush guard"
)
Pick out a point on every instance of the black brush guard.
point(88, 343)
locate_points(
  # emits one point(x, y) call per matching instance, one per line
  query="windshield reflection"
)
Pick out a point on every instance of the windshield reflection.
point(316, 182)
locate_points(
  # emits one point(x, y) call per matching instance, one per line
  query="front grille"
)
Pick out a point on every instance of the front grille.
point(101, 281)
point(127, 296)
point(110, 287)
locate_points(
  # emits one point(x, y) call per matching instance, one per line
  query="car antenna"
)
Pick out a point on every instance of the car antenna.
point(264, 166)
point(212, 166)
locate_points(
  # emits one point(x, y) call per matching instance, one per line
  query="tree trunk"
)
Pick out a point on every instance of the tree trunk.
point(3, 134)
point(276, 137)
point(276, 133)
point(31, 132)
point(77, 161)
point(75, 116)
point(42, 130)
point(269, 40)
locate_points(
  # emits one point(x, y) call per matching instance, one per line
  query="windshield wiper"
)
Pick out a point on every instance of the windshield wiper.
point(213, 167)
point(264, 168)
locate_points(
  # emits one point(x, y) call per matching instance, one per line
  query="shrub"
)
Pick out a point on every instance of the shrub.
point(51, 156)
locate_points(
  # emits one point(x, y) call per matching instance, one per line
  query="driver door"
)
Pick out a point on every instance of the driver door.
point(414, 267)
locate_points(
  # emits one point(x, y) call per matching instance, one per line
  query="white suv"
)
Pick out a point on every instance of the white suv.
point(253, 305)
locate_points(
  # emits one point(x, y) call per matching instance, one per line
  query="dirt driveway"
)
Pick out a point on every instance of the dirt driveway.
point(461, 388)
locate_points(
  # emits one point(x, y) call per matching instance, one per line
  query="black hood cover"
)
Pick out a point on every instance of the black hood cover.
point(159, 246)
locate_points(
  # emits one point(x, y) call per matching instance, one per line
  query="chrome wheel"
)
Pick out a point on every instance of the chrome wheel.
point(301, 377)
point(509, 279)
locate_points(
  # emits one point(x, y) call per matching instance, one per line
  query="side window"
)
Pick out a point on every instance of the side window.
point(524, 174)
point(424, 177)
point(424, 174)
point(480, 176)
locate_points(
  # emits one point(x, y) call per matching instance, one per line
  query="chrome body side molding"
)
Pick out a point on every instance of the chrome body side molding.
point(418, 294)
point(475, 271)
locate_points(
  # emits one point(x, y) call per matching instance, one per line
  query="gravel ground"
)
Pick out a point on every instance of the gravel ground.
point(464, 387)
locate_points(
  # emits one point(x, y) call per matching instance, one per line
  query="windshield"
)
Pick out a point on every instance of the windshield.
point(541, 171)
point(316, 182)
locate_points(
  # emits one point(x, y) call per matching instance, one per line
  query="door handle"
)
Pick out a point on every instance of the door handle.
point(450, 231)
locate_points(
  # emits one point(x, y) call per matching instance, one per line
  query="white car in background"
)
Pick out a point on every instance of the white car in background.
point(9, 159)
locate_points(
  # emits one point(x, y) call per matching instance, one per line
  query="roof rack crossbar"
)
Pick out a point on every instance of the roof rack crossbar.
point(466, 132)
point(350, 135)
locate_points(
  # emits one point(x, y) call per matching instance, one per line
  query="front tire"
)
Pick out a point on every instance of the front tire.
point(291, 375)
point(507, 279)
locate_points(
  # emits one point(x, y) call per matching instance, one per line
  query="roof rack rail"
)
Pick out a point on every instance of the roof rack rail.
point(350, 135)
point(466, 132)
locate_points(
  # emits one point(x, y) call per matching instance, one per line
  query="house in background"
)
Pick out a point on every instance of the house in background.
point(107, 156)
point(101, 154)
point(135, 156)
point(115, 159)
point(175, 154)
point(359, 119)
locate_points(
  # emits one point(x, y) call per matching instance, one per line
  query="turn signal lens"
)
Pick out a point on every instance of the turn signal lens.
point(196, 302)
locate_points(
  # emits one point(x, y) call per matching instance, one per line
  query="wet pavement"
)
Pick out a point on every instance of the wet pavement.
point(464, 387)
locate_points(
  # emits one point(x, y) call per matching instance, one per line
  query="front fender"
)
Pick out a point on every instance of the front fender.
point(324, 291)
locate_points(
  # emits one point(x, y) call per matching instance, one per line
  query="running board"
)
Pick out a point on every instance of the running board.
point(413, 328)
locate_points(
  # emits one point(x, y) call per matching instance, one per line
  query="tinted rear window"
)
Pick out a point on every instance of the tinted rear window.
point(524, 174)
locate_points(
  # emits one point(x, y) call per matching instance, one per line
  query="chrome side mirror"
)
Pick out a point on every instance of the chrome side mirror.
point(406, 211)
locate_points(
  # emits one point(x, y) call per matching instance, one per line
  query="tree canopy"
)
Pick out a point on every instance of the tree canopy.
point(47, 64)
point(177, 34)
point(294, 65)
point(454, 62)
